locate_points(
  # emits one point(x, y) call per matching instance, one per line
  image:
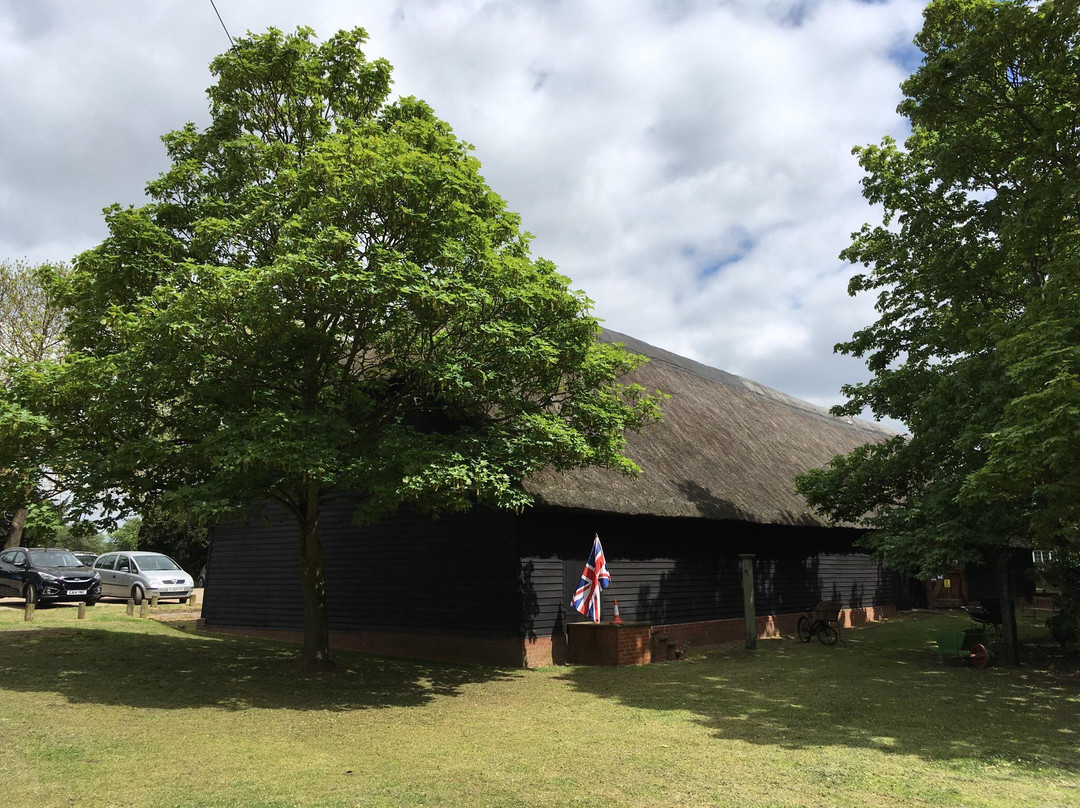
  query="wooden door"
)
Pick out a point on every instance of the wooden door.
point(948, 591)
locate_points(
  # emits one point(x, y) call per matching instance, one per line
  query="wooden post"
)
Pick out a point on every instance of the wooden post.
point(144, 608)
point(131, 607)
point(194, 599)
point(153, 600)
point(28, 614)
point(1010, 640)
point(82, 611)
point(748, 600)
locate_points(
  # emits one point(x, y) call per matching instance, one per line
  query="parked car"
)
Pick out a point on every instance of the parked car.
point(47, 575)
point(86, 558)
point(138, 574)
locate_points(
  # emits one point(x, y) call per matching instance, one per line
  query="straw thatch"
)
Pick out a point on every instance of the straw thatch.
point(727, 448)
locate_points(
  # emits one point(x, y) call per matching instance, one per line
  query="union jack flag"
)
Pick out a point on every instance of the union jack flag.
point(594, 578)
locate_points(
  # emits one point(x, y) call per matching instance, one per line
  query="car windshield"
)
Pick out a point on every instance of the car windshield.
point(156, 563)
point(54, 558)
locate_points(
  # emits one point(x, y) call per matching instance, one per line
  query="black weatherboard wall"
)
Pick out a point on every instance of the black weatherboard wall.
point(406, 573)
point(486, 574)
point(688, 570)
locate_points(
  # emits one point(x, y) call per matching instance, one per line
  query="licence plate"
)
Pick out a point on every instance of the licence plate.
point(173, 588)
point(76, 591)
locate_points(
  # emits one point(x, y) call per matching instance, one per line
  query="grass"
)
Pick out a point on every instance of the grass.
point(118, 711)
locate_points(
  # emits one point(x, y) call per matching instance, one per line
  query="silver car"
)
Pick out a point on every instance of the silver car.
point(138, 574)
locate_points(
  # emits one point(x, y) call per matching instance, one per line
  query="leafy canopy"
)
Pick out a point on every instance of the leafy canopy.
point(975, 269)
point(324, 295)
point(31, 330)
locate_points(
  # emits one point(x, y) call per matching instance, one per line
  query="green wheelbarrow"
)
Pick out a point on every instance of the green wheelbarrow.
point(968, 645)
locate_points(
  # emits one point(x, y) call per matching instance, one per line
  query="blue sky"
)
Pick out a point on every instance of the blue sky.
point(688, 164)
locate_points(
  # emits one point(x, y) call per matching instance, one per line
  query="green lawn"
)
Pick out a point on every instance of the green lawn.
point(118, 711)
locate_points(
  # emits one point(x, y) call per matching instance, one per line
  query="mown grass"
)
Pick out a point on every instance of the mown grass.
point(117, 711)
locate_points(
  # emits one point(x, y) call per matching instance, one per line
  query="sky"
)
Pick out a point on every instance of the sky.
point(687, 164)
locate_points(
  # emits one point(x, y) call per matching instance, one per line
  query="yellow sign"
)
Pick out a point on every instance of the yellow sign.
point(948, 583)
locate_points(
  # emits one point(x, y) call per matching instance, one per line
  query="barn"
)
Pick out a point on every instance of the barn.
point(495, 587)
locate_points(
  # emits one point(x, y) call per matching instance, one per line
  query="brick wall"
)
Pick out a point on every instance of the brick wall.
point(608, 643)
point(630, 643)
point(500, 651)
point(718, 632)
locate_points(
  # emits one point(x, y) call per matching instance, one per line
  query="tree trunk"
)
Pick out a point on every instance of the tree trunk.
point(1010, 640)
point(313, 587)
point(15, 532)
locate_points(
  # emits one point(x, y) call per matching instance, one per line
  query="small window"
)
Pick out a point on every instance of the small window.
point(107, 562)
point(123, 564)
point(8, 557)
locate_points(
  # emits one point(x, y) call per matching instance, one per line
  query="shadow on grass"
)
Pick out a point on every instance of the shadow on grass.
point(172, 669)
point(886, 690)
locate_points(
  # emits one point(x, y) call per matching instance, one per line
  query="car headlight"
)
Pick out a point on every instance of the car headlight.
point(46, 577)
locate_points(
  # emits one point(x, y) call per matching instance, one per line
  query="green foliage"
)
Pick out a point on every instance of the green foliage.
point(323, 295)
point(31, 330)
point(81, 536)
point(326, 293)
point(31, 323)
point(974, 267)
point(126, 536)
point(183, 539)
point(1063, 575)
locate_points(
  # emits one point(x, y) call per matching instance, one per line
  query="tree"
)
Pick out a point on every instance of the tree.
point(126, 536)
point(31, 328)
point(975, 268)
point(324, 296)
point(184, 540)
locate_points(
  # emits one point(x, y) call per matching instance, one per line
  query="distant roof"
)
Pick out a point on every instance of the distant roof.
point(727, 448)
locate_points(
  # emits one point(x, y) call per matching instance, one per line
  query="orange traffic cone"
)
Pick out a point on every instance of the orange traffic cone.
point(616, 618)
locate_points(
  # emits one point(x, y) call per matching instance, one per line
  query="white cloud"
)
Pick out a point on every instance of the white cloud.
point(687, 164)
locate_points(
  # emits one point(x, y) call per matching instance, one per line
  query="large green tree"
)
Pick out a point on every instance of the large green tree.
point(324, 296)
point(31, 330)
point(975, 269)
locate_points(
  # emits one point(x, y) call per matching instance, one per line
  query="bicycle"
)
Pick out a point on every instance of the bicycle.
point(818, 622)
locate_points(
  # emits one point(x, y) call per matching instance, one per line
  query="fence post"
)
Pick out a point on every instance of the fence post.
point(748, 600)
point(153, 600)
point(28, 613)
point(82, 611)
point(193, 601)
point(144, 608)
point(131, 607)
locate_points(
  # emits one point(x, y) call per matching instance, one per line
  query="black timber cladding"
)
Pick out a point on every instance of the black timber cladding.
point(492, 574)
point(406, 573)
point(688, 570)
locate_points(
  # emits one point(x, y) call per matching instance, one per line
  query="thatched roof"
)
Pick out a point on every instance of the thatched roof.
point(727, 448)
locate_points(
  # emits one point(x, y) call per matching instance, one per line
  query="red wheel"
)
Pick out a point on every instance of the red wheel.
point(980, 657)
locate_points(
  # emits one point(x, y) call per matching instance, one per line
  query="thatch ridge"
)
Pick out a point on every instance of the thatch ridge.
point(728, 448)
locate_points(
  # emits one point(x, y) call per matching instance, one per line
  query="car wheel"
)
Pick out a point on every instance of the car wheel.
point(182, 600)
point(29, 595)
point(137, 594)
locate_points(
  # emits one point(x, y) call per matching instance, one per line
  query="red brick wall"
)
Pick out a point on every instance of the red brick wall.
point(588, 643)
point(503, 651)
point(608, 643)
point(718, 632)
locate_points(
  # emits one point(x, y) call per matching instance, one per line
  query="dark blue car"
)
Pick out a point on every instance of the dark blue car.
point(47, 575)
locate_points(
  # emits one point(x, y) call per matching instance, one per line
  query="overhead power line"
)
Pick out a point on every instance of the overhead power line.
point(223, 28)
